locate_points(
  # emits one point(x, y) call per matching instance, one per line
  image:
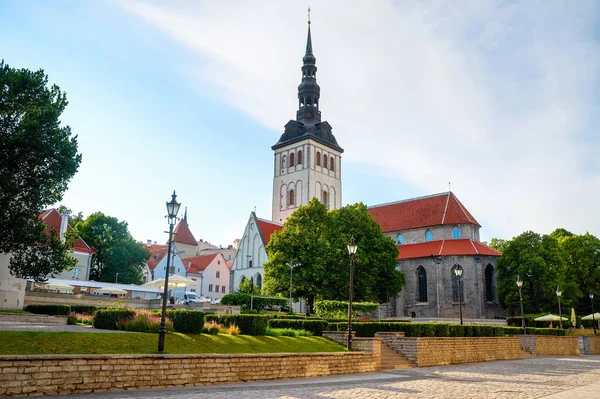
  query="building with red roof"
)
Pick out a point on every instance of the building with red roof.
point(211, 272)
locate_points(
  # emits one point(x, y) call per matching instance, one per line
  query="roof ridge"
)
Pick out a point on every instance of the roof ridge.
point(268, 221)
point(462, 209)
point(473, 245)
point(446, 208)
point(441, 248)
point(408, 200)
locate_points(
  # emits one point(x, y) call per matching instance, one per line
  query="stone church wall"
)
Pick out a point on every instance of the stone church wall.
point(440, 232)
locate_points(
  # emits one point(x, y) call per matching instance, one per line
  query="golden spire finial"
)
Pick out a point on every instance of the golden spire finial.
point(309, 15)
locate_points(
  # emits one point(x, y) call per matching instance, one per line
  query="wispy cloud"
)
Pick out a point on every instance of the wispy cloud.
point(498, 97)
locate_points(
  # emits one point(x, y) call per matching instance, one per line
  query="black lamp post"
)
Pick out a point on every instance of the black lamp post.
point(520, 284)
point(172, 210)
point(593, 314)
point(458, 271)
point(352, 251)
point(559, 294)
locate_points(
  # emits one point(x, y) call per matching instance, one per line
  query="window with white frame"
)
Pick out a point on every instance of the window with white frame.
point(75, 273)
point(223, 289)
point(210, 287)
point(218, 274)
point(217, 288)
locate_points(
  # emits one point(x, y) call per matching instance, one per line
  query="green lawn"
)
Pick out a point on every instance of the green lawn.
point(29, 342)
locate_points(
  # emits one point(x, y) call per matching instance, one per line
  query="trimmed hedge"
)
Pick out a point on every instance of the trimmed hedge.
point(248, 324)
point(107, 319)
point(438, 329)
point(84, 309)
point(316, 327)
point(257, 302)
point(339, 308)
point(51, 310)
point(188, 321)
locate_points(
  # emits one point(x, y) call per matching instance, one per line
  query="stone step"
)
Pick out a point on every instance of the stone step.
point(31, 318)
point(391, 359)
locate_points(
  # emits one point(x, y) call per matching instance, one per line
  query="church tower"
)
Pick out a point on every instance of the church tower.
point(308, 159)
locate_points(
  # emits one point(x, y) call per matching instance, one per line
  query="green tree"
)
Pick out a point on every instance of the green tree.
point(315, 241)
point(582, 257)
point(115, 249)
point(248, 287)
point(38, 157)
point(498, 244)
point(539, 261)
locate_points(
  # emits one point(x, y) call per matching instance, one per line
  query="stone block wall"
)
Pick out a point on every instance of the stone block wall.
point(32, 318)
point(553, 346)
point(67, 374)
point(442, 351)
point(591, 345)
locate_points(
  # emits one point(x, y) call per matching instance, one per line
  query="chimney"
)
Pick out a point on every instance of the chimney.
point(149, 243)
point(154, 242)
point(64, 223)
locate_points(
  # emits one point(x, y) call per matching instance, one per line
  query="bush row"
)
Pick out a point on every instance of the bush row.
point(49, 309)
point(248, 324)
point(530, 322)
point(316, 327)
point(438, 329)
point(340, 308)
point(183, 321)
point(256, 302)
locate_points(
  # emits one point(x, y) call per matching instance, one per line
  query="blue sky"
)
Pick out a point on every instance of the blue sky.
point(500, 98)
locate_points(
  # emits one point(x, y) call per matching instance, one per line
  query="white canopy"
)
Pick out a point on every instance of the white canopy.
point(596, 316)
point(174, 282)
point(58, 286)
point(111, 290)
point(550, 317)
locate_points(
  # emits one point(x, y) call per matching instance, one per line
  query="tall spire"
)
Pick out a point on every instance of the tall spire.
point(185, 215)
point(309, 91)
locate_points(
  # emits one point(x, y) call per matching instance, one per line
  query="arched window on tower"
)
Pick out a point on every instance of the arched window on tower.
point(292, 159)
point(456, 233)
point(300, 157)
point(318, 158)
point(331, 163)
point(292, 198)
point(428, 235)
point(324, 198)
point(489, 283)
point(422, 278)
point(453, 277)
point(400, 239)
point(283, 162)
point(324, 160)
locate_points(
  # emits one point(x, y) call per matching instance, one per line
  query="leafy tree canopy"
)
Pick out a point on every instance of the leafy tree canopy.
point(314, 242)
point(115, 250)
point(38, 157)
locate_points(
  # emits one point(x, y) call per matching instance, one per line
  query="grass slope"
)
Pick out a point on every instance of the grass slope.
point(29, 343)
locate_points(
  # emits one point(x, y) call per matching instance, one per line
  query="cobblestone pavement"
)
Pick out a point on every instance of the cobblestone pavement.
point(541, 377)
point(48, 327)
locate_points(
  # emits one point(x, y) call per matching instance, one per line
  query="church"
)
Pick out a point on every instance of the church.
point(435, 234)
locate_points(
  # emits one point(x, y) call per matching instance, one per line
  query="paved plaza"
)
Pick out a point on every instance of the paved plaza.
point(541, 377)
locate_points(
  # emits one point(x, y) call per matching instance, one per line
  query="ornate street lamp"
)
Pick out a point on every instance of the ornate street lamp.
point(593, 314)
point(352, 252)
point(559, 294)
point(458, 271)
point(520, 284)
point(172, 211)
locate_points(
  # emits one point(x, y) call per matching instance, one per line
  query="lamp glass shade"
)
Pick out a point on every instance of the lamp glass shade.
point(458, 271)
point(558, 292)
point(591, 296)
point(173, 206)
point(352, 247)
point(519, 282)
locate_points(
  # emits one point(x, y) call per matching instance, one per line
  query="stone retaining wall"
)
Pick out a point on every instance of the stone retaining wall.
point(67, 374)
point(591, 345)
point(547, 345)
point(455, 350)
point(32, 318)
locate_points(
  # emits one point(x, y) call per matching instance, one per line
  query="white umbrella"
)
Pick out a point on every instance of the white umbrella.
point(111, 290)
point(550, 317)
point(595, 316)
point(174, 282)
point(58, 286)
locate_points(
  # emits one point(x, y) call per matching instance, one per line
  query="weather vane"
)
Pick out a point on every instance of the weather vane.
point(309, 15)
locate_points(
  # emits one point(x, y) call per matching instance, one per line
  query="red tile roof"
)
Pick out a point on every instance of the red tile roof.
point(267, 228)
point(437, 209)
point(53, 220)
point(157, 253)
point(445, 248)
point(199, 263)
point(229, 264)
point(183, 235)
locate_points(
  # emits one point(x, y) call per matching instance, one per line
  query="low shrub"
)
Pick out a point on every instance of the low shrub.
point(214, 330)
point(340, 308)
point(108, 319)
point(211, 324)
point(287, 332)
point(78, 318)
point(84, 309)
point(233, 330)
point(245, 301)
point(188, 321)
point(316, 327)
point(143, 321)
point(248, 324)
point(49, 309)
